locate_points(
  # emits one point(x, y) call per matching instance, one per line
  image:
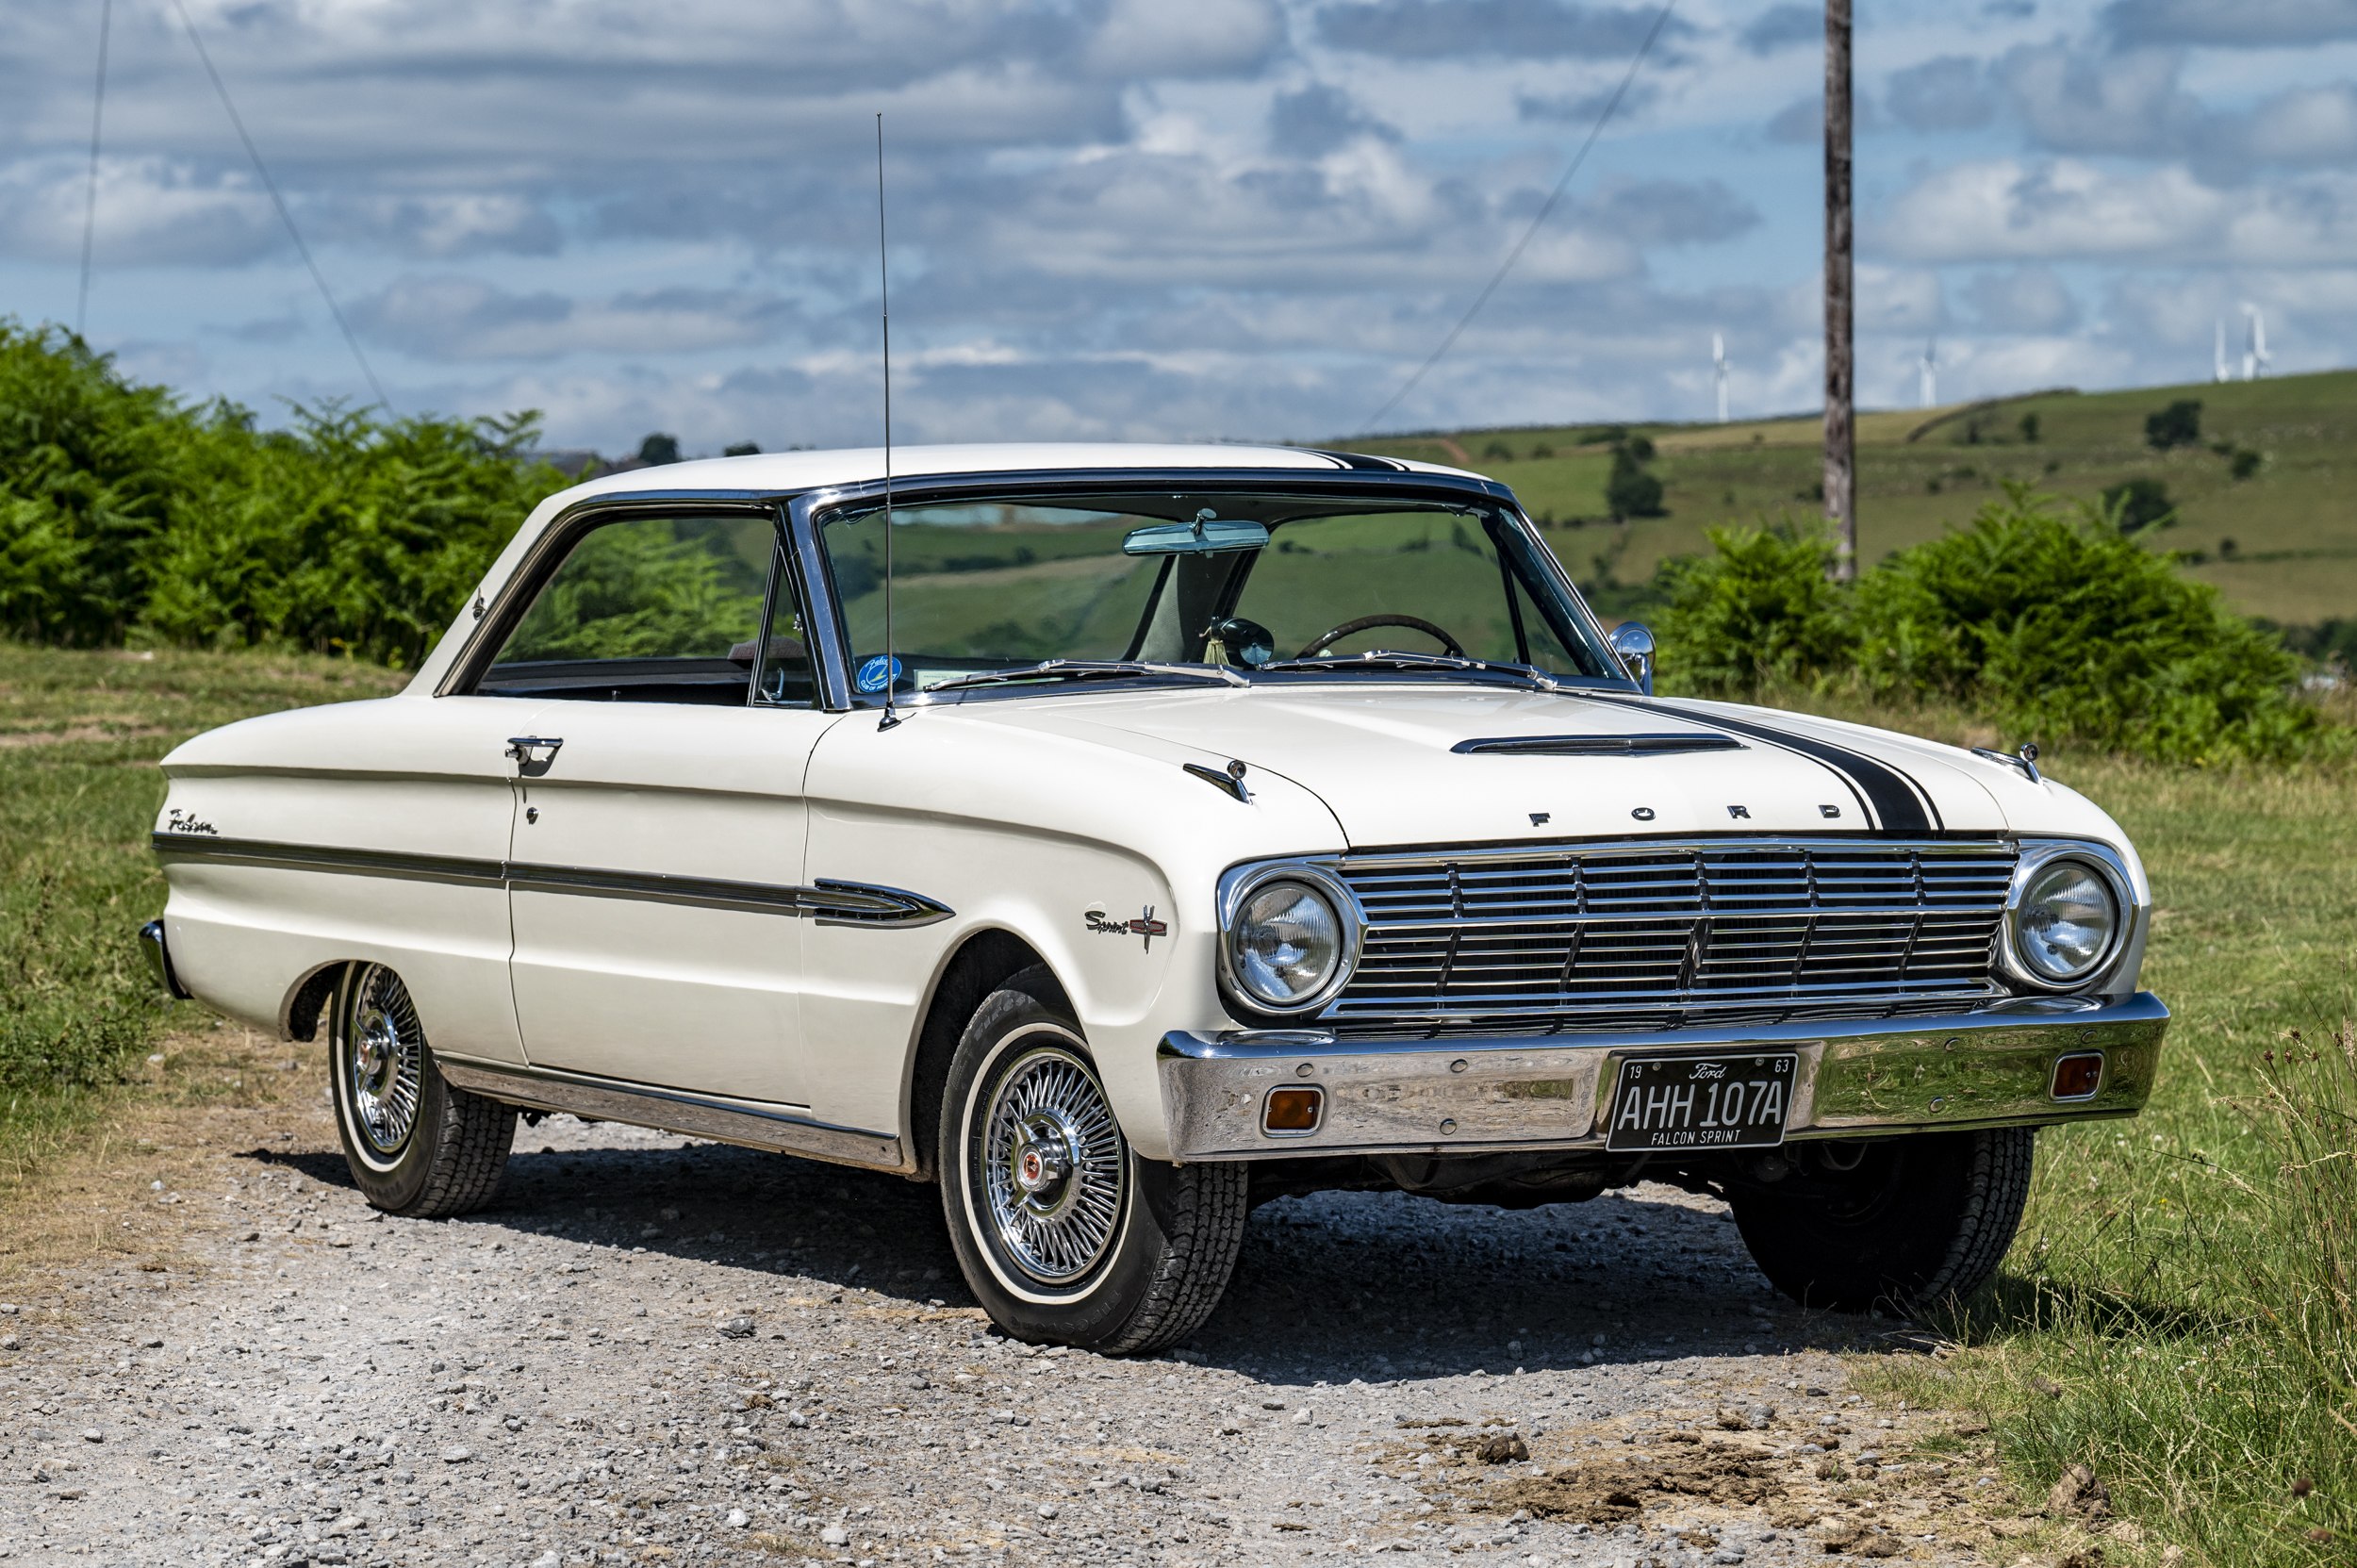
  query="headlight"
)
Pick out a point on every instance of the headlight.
point(2067, 922)
point(1286, 945)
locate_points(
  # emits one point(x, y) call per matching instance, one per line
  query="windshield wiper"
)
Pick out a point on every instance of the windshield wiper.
point(1083, 670)
point(1387, 658)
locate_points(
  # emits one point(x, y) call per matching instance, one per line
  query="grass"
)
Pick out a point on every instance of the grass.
point(2180, 1312)
point(80, 733)
point(2281, 543)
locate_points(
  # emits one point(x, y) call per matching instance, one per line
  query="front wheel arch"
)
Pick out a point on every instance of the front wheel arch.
point(986, 961)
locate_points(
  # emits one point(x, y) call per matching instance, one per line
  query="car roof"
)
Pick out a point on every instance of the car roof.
point(775, 471)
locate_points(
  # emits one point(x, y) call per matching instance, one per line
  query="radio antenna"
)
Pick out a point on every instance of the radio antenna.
point(884, 294)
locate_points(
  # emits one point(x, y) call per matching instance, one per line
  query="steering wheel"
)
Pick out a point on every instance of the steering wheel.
point(1457, 649)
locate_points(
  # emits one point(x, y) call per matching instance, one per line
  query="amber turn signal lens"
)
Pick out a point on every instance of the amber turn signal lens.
point(1295, 1109)
point(2078, 1076)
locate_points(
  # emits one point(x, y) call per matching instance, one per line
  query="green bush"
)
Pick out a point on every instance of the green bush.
point(2041, 615)
point(124, 512)
point(1763, 610)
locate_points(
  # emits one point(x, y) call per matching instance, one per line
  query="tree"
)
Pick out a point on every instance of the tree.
point(658, 449)
point(1631, 492)
point(2135, 504)
point(2179, 424)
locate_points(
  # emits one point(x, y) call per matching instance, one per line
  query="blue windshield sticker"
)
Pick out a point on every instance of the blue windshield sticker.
point(872, 676)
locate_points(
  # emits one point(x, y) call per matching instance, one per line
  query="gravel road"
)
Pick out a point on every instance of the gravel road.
point(653, 1348)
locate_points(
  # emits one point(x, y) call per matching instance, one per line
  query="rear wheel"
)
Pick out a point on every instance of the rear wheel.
point(1897, 1224)
point(415, 1144)
point(1063, 1233)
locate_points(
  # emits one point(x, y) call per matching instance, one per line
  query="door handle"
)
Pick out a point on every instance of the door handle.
point(525, 750)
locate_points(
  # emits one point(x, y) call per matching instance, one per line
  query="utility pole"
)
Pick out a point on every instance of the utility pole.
point(1840, 435)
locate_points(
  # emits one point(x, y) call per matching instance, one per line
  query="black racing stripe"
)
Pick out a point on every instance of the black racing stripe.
point(1894, 802)
point(1361, 460)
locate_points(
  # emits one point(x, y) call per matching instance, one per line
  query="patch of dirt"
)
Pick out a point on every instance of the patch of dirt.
point(1607, 1490)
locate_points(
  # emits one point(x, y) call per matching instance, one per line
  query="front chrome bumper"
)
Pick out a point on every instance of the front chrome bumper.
point(1855, 1079)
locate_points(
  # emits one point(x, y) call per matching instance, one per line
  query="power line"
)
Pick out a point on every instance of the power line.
point(97, 120)
point(280, 203)
point(1532, 232)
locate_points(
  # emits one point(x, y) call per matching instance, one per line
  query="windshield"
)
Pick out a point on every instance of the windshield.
point(1243, 583)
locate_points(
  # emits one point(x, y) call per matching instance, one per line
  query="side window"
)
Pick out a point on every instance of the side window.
point(644, 610)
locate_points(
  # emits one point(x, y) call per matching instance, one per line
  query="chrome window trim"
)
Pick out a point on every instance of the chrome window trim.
point(2039, 853)
point(510, 599)
point(918, 489)
point(1239, 883)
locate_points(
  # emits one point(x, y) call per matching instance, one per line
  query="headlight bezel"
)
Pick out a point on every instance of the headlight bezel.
point(2037, 857)
point(1238, 886)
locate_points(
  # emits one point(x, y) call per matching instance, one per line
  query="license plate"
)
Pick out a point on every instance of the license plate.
point(1701, 1102)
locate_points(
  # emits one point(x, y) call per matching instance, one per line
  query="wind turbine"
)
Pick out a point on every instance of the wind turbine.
point(1719, 370)
point(2218, 363)
point(2254, 353)
point(1927, 373)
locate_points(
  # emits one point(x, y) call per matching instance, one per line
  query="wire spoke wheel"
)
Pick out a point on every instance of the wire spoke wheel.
point(383, 1063)
point(1052, 1165)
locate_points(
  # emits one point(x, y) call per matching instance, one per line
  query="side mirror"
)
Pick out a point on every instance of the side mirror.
point(1634, 644)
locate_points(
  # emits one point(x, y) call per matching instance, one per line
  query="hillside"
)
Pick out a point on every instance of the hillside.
point(2281, 543)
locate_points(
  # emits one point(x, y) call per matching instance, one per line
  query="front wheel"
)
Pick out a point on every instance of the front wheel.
point(415, 1144)
point(1064, 1234)
point(1898, 1223)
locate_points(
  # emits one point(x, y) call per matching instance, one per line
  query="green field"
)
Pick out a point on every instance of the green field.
point(2281, 543)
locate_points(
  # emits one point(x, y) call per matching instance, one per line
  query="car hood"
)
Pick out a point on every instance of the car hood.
point(1391, 762)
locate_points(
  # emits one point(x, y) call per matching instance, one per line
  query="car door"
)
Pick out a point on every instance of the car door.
point(653, 878)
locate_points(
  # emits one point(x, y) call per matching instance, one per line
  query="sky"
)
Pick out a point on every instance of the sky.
point(1152, 220)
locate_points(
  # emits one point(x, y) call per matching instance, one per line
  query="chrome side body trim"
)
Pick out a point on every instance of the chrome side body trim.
point(829, 903)
point(367, 863)
point(1856, 1079)
point(781, 1129)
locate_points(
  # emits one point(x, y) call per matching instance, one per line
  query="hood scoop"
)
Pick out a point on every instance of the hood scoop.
point(1597, 745)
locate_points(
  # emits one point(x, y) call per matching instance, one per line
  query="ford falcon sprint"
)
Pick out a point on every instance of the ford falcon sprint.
point(1120, 836)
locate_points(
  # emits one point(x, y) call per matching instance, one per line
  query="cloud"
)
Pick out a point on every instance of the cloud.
point(461, 319)
point(1899, 300)
point(2306, 125)
point(1318, 118)
point(1581, 108)
point(2026, 299)
point(1514, 29)
point(437, 227)
point(2003, 209)
point(1672, 212)
point(2242, 25)
point(1950, 93)
point(151, 210)
point(1157, 38)
point(1784, 28)
point(2128, 103)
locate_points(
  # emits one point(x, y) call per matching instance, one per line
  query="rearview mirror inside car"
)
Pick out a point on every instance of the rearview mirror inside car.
point(1206, 536)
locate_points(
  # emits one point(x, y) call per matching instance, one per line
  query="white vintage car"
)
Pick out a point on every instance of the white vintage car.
point(1119, 836)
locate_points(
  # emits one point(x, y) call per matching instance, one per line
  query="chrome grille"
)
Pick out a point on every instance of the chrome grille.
point(1659, 937)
